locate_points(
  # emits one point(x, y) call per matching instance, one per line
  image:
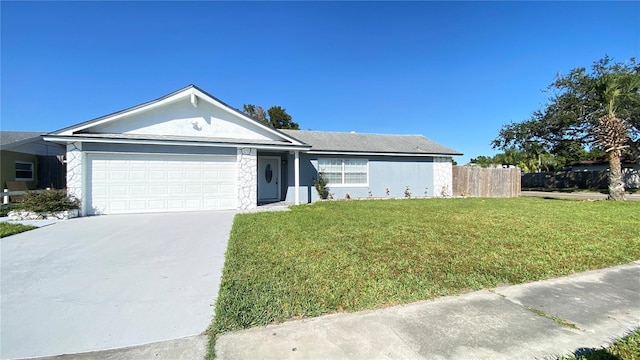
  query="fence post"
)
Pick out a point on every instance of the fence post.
point(5, 198)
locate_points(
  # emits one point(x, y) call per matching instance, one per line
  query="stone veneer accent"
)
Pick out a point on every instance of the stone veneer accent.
point(247, 179)
point(442, 177)
point(19, 215)
point(74, 170)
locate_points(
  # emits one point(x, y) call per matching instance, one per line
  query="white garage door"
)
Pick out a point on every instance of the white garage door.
point(120, 184)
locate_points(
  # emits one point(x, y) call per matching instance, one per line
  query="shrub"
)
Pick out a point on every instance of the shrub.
point(4, 211)
point(49, 201)
point(321, 185)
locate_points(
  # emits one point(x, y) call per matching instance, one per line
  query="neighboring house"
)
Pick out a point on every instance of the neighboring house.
point(190, 151)
point(26, 157)
point(630, 170)
point(603, 165)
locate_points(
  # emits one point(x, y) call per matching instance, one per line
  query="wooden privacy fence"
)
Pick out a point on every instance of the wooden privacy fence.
point(486, 182)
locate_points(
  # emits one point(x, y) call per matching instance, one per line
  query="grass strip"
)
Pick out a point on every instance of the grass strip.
point(7, 229)
point(558, 320)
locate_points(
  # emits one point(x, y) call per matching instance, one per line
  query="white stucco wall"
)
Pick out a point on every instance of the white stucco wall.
point(181, 118)
point(442, 176)
point(247, 179)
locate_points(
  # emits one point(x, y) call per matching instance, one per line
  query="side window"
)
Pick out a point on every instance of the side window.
point(345, 171)
point(24, 171)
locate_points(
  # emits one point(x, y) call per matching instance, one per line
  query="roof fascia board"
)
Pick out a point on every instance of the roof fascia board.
point(71, 139)
point(350, 153)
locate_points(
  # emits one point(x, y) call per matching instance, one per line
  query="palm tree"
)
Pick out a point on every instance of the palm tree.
point(612, 132)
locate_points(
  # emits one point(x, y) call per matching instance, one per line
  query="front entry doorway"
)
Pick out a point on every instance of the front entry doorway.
point(268, 178)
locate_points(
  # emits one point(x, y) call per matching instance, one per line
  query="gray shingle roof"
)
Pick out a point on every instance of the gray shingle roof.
point(370, 143)
point(14, 138)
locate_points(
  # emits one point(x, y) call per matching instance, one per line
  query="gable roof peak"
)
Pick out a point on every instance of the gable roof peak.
point(196, 93)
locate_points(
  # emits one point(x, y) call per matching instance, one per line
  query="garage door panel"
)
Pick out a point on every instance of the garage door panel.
point(227, 188)
point(173, 175)
point(137, 175)
point(158, 190)
point(175, 190)
point(137, 205)
point(116, 205)
point(175, 204)
point(100, 175)
point(123, 183)
point(118, 175)
point(227, 203)
point(193, 203)
point(157, 205)
point(193, 175)
point(116, 191)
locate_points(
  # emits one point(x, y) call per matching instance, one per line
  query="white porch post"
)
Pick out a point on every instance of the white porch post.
point(296, 170)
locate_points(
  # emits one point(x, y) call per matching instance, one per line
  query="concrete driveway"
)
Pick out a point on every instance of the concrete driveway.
point(110, 281)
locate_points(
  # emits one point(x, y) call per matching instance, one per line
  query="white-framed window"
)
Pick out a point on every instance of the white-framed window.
point(24, 171)
point(345, 172)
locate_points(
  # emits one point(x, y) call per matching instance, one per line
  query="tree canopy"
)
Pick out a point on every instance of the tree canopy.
point(599, 108)
point(276, 116)
point(534, 159)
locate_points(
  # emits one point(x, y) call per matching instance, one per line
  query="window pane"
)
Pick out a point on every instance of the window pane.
point(355, 171)
point(23, 166)
point(334, 178)
point(24, 171)
point(329, 165)
point(24, 174)
point(355, 178)
point(332, 169)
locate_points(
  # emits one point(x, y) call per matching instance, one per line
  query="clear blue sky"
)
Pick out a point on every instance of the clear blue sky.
point(452, 71)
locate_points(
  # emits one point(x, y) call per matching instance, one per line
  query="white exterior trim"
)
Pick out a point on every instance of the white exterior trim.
point(71, 139)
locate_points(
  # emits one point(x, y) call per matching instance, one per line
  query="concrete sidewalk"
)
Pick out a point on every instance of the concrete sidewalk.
point(533, 320)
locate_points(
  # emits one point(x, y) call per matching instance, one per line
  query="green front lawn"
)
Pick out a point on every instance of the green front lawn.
point(353, 255)
point(7, 229)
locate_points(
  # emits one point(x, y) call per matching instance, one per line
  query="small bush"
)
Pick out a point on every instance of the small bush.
point(49, 201)
point(321, 185)
point(4, 211)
